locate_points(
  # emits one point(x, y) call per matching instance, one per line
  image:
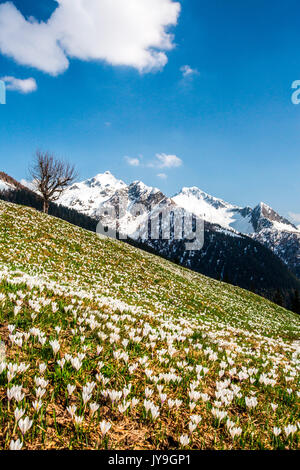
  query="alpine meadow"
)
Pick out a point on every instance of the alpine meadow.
point(109, 347)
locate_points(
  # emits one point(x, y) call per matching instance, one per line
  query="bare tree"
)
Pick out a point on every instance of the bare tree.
point(51, 177)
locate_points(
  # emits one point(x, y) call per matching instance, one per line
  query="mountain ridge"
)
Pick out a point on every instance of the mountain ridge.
point(261, 223)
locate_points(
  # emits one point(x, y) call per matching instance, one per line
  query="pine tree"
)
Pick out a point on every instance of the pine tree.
point(278, 299)
point(296, 302)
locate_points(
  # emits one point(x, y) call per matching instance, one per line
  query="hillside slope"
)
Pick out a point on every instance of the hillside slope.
point(163, 351)
point(227, 255)
point(13, 191)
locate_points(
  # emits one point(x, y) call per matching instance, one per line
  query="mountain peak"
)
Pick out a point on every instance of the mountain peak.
point(106, 174)
point(193, 190)
point(106, 179)
point(264, 217)
point(202, 204)
point(264, 207)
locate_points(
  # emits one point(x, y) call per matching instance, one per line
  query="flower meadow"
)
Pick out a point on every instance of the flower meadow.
point(108, 347)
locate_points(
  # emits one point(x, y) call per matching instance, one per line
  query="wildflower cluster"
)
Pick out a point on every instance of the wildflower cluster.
point(109, 347)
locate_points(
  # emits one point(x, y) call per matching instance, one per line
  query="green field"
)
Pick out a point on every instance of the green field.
point(106, 346)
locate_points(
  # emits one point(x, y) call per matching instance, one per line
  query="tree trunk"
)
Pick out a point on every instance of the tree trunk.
point(46, 206)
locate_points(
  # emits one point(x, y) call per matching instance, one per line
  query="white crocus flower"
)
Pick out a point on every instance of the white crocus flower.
point(15, 445)
point(55, 346)
point(78, 420)
point(192, 427)
point(19, 412)
point(104, 427)
point(94, 407)
point(70, 389)
point(276, 431)
point(184, 440)
point(25, 424)
point(37, 405)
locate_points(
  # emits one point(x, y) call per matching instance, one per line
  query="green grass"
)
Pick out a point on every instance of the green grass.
point(135, 320)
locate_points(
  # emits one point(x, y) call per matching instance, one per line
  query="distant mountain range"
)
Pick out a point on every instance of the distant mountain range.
point(261, 224)
point(256, 249)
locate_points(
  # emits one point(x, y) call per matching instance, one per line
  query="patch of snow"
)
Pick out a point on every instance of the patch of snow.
point(242, 224)
point(213, 210)
point(231, 233)
point(88, 196)
point(28, 184)
point(5, 186)
point(281, 227)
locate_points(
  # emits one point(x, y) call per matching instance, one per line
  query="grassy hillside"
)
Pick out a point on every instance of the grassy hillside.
point(158, 351)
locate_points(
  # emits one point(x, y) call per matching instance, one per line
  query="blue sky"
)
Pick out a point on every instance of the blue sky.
point(230, 119)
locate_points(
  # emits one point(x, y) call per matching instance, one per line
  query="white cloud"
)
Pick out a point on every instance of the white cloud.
point(162, 176)
point(29, 42)
point(295, 217)
point(132, 161)
point(188, 72)
point(23, 86)
point(166, 161)
point(161, 161)
point(132, 33)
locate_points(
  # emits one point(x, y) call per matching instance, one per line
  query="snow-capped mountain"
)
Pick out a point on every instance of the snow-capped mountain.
point(278, 234)
point(4, 186)
point(214, 210)
point(265, 218)
point(7, 183)
point(241, 219)
point(104, 191)
point(262, 223)
point(88, 196)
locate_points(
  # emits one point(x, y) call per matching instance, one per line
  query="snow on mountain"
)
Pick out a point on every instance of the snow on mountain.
point(88, 196)
point(262, 223)
point(264, 217)
point(4, 186)
point(7, 183)
point(244, 220)
point(214, 210)
point(28, 184)
point(134, 204)
point(137, 202)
